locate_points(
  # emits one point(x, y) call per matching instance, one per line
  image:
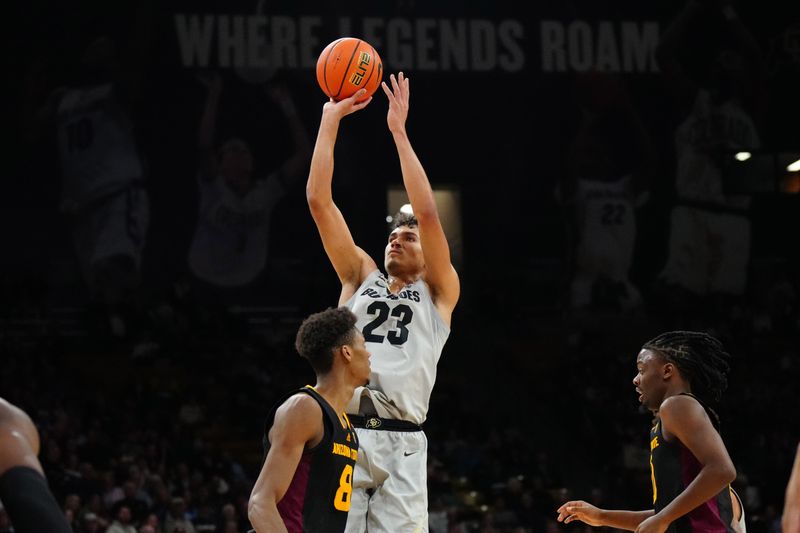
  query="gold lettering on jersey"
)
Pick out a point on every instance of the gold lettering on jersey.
point(343, 450)
point(653, 446)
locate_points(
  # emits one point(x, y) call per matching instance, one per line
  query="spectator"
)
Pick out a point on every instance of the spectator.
point(91, 524)
point(177, 520)
point(136, 505)
point(123, 522)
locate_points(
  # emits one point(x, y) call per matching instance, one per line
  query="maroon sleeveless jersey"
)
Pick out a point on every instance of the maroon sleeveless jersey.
point(673, 467)
point(318, 498)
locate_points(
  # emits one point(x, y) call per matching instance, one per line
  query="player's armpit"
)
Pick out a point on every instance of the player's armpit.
point(297, 426)
point(686, 419)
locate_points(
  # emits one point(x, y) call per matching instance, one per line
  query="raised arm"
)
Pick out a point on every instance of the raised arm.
point(294, 166)
point(685, 419)
point(207, 129)
point(297, 426)
point(351, 263)
point(440, 274)
point(677, 78)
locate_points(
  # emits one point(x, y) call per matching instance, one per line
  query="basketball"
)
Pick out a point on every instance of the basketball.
point(347, 65)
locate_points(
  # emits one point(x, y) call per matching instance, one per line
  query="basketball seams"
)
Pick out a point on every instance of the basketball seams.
point(374, 63)
point(347, 68)
point(332, 47)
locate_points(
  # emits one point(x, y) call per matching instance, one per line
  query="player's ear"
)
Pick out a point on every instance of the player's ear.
point(347, 353)
point(668, 370)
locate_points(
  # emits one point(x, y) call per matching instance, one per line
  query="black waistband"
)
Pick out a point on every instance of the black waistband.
point(385, 424)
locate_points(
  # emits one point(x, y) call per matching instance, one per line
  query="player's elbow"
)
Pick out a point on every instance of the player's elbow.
point(730, 474)
point(315, 200)
point(255, 509)
point(725, 472)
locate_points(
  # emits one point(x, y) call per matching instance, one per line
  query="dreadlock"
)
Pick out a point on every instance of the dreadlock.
point(701, 359)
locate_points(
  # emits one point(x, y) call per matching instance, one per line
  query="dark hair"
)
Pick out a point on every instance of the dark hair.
point(403, 219)
point(701, 359)
point(321, 333)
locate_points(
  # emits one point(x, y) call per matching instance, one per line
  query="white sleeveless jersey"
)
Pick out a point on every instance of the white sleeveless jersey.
point(96, 145)
point(711, 128)
point(405, 335)
point(608, 225)
point(231, 237)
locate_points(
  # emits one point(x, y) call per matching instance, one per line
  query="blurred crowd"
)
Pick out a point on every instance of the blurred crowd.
point(170, 441)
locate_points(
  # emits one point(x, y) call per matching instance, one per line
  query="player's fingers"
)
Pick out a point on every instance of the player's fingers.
point(395, 86)
point(568, 507)
point(362, 105)
point(389, 94)
point(401, 83)
point(358, 94)
point(404, 85)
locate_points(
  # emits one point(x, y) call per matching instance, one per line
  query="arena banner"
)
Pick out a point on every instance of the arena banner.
point(429, 44)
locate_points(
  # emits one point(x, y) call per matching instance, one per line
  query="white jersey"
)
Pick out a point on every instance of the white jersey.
point(607, 225)
point(405, 335)
point(96, 146)
point(709, 129)
point(230, 241)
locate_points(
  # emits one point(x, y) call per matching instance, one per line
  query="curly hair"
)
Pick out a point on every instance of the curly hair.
point(403, 219)
point(701, 359)
point(321, 333)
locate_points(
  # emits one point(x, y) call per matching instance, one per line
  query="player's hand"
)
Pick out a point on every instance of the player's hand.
point(398, 102)
point(653, 524)
point(580, 510)
point(347, 106)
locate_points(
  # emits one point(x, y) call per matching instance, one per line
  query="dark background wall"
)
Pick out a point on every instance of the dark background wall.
point(542, 389)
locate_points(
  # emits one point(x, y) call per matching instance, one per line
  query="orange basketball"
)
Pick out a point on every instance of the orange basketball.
point(347, 65)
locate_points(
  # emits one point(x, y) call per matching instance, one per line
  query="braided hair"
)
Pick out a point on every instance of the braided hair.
point(700, 357)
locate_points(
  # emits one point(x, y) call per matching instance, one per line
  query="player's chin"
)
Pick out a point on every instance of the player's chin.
point(391, 263)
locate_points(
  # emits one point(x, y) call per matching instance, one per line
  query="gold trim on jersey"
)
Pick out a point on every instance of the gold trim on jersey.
point(653, 446)
point(343, 420)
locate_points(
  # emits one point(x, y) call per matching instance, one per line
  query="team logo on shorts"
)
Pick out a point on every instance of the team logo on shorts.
point(373, 423)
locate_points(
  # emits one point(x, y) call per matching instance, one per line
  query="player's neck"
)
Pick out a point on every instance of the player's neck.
point(677, 389)
point(335, 392)
point(400, 281)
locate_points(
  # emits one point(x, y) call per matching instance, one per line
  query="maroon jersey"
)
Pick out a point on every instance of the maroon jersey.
point(673, 467)
point(318, 498)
